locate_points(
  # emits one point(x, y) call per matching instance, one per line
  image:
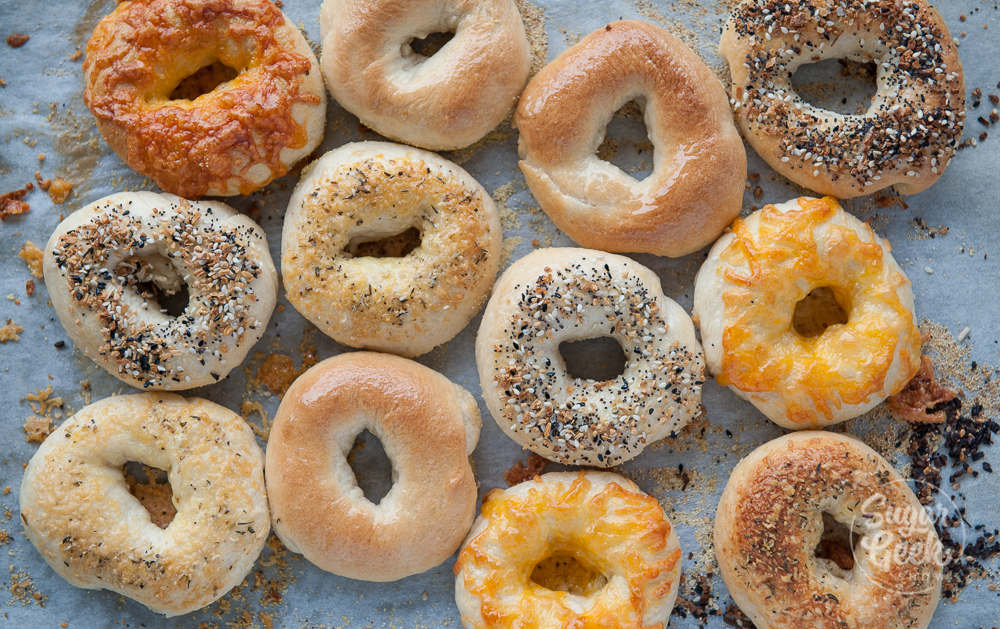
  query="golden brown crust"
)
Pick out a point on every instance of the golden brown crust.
point(602, 519)
point(228, 141)
point(444, 102)
point(769, 521)
point(428, 427)
point(696, 187)
point(909, 133)
point(406, 305)
point(78, 513)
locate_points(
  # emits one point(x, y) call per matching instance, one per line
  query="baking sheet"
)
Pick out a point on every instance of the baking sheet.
point(955, 277)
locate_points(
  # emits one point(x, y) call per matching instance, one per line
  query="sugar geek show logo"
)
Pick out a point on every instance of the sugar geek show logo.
point(892, 532)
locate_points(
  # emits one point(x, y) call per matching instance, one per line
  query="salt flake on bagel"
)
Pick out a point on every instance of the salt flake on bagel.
point(909, 132)
point(699, 163)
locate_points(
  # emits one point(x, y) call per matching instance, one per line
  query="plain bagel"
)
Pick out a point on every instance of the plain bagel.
point(428, 427)
point(699, 163)
point(443, 102)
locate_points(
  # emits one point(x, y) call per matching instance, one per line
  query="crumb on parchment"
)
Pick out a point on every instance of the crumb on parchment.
point(47, 409)
point(58, 188)
point(10, 332)
point(37, 428)
point(918, 400)
point(16, 40)
point(12, 203)
point(32, 256)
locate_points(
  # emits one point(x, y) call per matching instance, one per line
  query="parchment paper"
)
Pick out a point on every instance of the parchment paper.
point(955, 278)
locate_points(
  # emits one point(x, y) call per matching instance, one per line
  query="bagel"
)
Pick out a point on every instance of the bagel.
point(79, 514)
point(908, 134)
point(771, 518)
point(699, 163)
point(508, 572)
point(406, 305)
point(804, 313)
point(105, 264)
point(428, 427)
point(231, 140)
point(443, 102)
point(555, 295)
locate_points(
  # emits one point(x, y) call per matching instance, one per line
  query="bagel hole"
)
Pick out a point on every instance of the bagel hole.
point(840, 85)
point(837, 545)
point(203, 81)
point(157, 282)
point(368, 455)
point(565, 572)
point(429, 45)
point(817, 311)
point(626, 141)
point(151, 487)
point(396, 246)
point(600, 358)
point(172, 304)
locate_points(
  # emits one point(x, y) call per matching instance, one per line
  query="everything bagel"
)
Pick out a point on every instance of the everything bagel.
point(567, 294)
point(908, 134)
point(108, 264)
